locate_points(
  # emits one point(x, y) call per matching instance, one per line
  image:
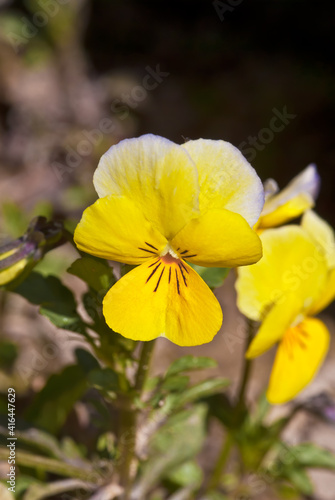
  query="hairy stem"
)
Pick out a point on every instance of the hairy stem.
point(144, 364)
point(247, 368)
point(214, 481)
point(128, 422)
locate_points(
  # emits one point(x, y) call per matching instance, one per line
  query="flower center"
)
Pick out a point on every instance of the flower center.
point(170, 259)
point(168, 269)
point(175, 255)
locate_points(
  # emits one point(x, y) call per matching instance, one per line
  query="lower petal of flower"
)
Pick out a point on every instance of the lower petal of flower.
point(276, 322)
point(163, 297)
point(298, 358)
point(219, 238)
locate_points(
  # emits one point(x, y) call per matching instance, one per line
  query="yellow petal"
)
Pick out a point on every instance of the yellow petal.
point(8, 253)
point(226, 179)
point(276, 322)
point(163, 297)
point(284, 213)
point(298, 358)
point(114, 228)
point(158, 175)
point(322, 233)
point(10, 273)
point(290, 264)
point(295, 199)
point(219, 238)
point(326, 296)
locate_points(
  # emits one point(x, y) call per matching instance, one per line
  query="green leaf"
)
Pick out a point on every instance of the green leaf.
point(308, 455)
point(220, 407)
point(81, 470)
point(177, 383)
point(56, 301)
point(291, 463)
point(202, 390)
point(300, 480)
point(255, 439)
point(105, 379)
point(46, 291)
point(151, 383)
point(188, 363)
point(178, 441)
point(261, 410)
point(101, 418)
point(8, 354)
point(176, 401)
point(286, 491)
point(37, 440)
point(94, 271)
point(92, 305)
point(106, 443)
point(71, 449)
point(213, 276)
point(187, 474)
point(54, 402)
point(86, 360)
point(183, 431)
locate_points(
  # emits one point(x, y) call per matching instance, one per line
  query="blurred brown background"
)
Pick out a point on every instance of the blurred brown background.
point(77, 76)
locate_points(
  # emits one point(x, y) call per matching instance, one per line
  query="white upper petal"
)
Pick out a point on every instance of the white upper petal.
point(157, 174)
point(307, 183)
point(226, 178)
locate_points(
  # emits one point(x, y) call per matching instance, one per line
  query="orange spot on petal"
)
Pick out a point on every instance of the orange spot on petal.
point(168, 259)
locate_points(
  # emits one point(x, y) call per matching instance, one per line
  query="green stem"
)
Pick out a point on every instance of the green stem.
point(246, 370)
point(128, 422)
point(127, 447)
point(221, 463)
point(228, 443)
point(144, 364)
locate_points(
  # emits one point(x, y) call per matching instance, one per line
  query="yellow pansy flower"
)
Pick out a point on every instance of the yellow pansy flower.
point(298, 196)
point(160, 206)
point(323, 236)
point(284, 290)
